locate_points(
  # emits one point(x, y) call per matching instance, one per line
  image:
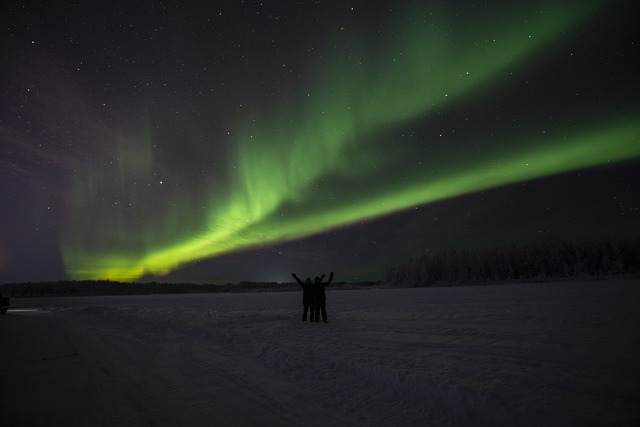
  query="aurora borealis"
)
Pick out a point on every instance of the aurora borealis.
point(146, 139)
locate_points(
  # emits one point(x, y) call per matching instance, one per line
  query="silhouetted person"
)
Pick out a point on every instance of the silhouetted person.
point(321, 297)
point(308, 297)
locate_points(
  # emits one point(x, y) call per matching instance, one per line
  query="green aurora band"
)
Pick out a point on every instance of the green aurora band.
point(324, 157)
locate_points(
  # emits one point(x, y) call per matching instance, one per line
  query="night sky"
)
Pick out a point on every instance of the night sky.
point(244, 140)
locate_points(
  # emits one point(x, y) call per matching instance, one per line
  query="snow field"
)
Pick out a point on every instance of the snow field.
point(526, 354)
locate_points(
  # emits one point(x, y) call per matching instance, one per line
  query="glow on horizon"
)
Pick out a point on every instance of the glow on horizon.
point(310, 164)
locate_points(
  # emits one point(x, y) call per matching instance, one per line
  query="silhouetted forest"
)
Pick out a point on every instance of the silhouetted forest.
point(108, 287)
point(538, 260)
point(105, 287)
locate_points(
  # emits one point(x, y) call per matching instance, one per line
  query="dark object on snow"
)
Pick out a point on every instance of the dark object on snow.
point(308, 297)
point(4, 304)
point(321, 298)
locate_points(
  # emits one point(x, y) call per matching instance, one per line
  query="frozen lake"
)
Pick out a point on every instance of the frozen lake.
point(527, 354)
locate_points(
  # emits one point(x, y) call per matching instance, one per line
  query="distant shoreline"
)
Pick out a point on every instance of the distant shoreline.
point(107, 288)
point(65, 288)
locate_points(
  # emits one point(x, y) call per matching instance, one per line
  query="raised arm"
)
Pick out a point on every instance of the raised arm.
point(297, 279)
point(330, 279)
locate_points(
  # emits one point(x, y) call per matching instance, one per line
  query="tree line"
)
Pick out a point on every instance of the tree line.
point(105, 287)
point(109, 287)
point(536, 260)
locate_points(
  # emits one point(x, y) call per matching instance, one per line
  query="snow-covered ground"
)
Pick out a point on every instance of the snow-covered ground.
point(528, 354)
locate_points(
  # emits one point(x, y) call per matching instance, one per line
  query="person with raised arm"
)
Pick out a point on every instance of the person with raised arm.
point(321, 298)
point(308, 298)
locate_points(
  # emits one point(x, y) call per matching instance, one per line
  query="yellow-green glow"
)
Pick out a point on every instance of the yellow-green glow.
point(325, 156)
